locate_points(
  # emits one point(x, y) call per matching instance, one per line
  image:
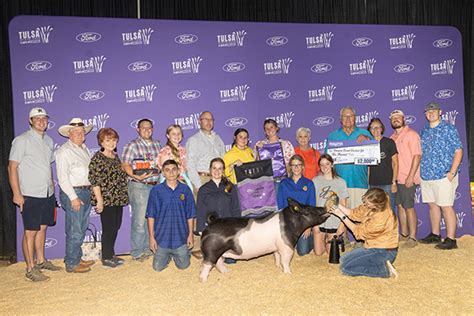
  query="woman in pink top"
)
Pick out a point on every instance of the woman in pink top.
point(173, 150)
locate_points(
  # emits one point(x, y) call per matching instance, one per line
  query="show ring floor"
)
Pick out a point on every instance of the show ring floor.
point(431, 282)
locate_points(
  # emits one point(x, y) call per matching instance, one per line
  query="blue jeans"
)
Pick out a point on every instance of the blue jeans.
point(304, 245)
point(367, 262)
point(75, 227)
point(387, 188)
point(181, 257)
point(138, 194)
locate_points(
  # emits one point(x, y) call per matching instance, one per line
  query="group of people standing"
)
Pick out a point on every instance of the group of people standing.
point(166, 221)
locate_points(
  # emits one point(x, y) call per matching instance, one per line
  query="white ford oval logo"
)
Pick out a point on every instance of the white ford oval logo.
point(39, 65)
point(88, 37)
point(92, 95)
point(410, 119)
point(321, 68)
point(233, 67)
point(185, 39)
point(277, 41)
point(364, 94)
point(50, 242)
point(51, 124)
point(134, 123)
point(362, 42)
point(403, 68)
point(444, 94)
point(323, 121)
point(236, 122)
point(442, 43)
point(279, 94)
point(189, 95)
point(139, 66)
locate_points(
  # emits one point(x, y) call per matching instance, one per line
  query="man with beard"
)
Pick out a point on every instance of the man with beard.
point(409, 155)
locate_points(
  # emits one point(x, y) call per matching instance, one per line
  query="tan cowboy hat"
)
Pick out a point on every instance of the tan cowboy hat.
point(75, 122)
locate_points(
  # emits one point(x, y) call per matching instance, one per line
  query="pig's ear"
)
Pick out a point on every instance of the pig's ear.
point(294, 206)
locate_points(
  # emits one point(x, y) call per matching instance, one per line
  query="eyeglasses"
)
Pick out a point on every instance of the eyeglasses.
point(77, 124)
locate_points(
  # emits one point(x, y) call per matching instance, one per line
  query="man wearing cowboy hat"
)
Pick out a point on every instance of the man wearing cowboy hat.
point(30, 176)
point(72, 168)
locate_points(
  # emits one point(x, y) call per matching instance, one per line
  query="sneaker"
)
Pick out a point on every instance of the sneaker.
point(410, 243)
point(391, 270)
point(87, 263)
point(36, 275)
point(47, 265)
point(80, 268)
point(118, 261)
point(143, 257)
point(109, 263)
point(402, 237)
point(447, 244)
point(431, 239)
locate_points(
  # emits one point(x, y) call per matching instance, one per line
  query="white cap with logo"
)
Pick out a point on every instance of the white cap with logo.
point(34, 112)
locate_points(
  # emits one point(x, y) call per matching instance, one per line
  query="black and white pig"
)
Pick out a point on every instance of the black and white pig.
point(247, 238)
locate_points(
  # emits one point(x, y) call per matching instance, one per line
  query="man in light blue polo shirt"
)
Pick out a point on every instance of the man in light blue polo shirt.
point(356, 176)
point(30, 176)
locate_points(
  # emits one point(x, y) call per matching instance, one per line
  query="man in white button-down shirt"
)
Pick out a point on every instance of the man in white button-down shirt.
point(72, 166)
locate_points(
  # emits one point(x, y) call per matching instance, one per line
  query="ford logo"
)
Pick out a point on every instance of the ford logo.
point(92, 95)
point(50, 242)
point(185, 39)
point(279, 94)
point(442, 43)
point(323, 121)
point(51, 124)
point(403, 68)
point(39, 65)
point(457, 195)
point(321, 68)
point(277, 41)
point(189, 95)
point(134, 123)
point(410, 119)
point(233, 67)
point(362, 42)
point(88, 37)
point(364, 94)
point(444, 94)
point(236, 122)
point(139, 66)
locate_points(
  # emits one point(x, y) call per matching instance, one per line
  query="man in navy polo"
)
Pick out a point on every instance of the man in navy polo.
point(170, 214)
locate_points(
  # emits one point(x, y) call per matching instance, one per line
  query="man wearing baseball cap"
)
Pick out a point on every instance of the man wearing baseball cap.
point(442, 154)
point(30, 177)
point(409, 156)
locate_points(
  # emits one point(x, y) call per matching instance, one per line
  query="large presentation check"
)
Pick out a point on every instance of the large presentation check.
point(350, 151)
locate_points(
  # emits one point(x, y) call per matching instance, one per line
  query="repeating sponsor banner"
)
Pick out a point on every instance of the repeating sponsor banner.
point(116, 71)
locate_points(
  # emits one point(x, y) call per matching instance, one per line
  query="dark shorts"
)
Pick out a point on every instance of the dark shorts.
point(405, 196)
point(38, 211)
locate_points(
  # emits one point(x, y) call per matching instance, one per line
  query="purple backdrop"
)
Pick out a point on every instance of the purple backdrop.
point(112, 72)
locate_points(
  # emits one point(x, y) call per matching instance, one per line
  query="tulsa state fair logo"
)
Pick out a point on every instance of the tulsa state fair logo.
point(44, 94)
point(365, 67)
point(364, 94)
point(459, 220)
point(323, 94)
point(39, 35)
point(139, 37)
point(189, 122)
point(442, 43)
point(278, 67)
point(278, 95)
point(450, 117)
point(141, 94)
point(92, 95)
point(238, 93)
point(39, 65)
point(444, 94)
point(88, 37)
point(186, 39)
point(320, 146)
point(405, 93)
point(364, 119)
point(188, 66)
point(235, 38)
point(362, 42)
point(322, 40)
point(283, 119)
point(91, 65)
point(97, 121)
point(277, 41)
point(446, 67)
point(404, 41)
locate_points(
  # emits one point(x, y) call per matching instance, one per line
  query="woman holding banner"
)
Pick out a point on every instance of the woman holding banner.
point(238, 154)
point(302, 190)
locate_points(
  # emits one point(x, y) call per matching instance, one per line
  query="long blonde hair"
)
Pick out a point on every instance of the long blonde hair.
point(174, 150)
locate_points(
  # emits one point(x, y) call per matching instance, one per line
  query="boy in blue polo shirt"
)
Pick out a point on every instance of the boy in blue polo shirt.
point(170, 213)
